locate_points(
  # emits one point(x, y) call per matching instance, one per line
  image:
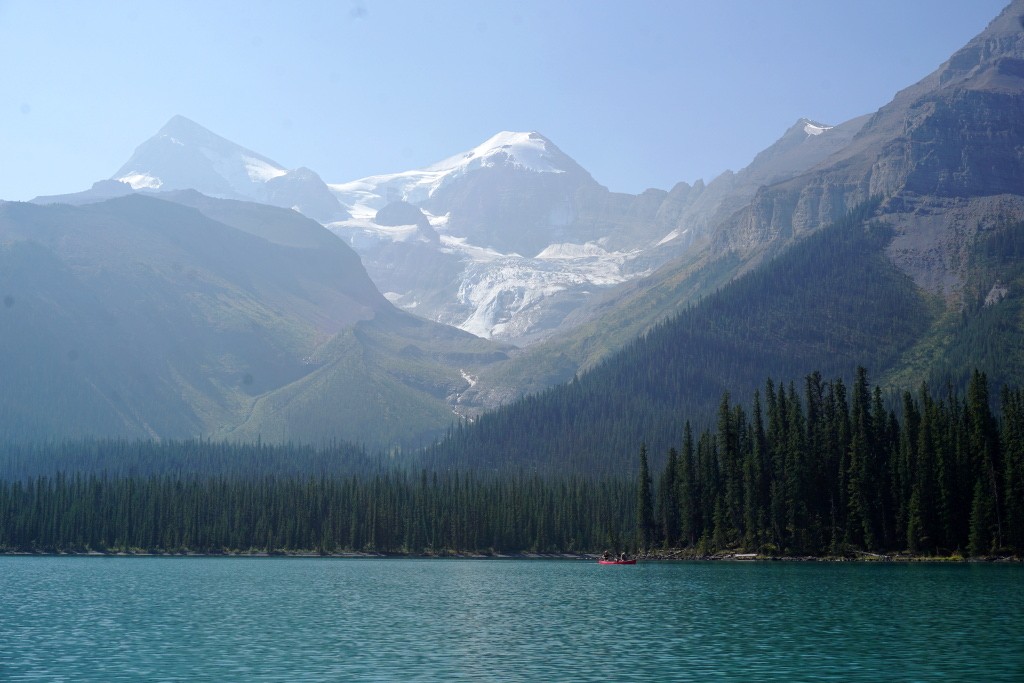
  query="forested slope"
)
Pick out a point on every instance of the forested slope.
point(832, 302)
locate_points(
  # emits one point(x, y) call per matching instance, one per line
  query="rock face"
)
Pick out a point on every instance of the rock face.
point(946, 156)
point(805, 145)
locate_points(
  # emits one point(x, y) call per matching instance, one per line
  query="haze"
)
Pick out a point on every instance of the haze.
point(641, 94)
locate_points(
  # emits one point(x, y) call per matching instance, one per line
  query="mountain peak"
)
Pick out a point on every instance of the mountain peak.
point(183, 131)
point(184, 155)
point(526, 150)
point(179, 123)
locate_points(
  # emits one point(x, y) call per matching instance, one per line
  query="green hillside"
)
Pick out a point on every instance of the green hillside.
point(144, 318)
point(387, 381)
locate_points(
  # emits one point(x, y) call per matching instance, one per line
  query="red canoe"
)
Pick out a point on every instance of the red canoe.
point(616, 561)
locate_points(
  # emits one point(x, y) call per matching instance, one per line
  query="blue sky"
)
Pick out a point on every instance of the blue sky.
point(641, 94)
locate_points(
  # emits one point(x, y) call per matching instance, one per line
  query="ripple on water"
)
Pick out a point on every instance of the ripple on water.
point(112, 619)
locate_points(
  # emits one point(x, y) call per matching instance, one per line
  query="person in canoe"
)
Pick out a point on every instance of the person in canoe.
point(607, 556)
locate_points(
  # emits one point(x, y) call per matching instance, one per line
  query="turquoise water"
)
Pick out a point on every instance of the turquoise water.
point(111, 619)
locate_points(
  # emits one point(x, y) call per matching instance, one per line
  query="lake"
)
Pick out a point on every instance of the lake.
point(321, 619)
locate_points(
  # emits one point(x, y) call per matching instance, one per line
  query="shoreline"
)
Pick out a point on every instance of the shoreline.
point(657, 556)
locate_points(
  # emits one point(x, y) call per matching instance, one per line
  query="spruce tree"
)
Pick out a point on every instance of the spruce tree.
point(980, 540)
point(668, 501)
point(984, 444)
point(685, 490)
point(861, 528)
point(644, 504)
point(755, 480)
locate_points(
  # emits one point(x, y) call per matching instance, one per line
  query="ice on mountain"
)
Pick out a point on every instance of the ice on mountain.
point(815, 129)
point(142, 181)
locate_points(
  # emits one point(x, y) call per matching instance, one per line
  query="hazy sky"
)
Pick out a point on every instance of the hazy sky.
point(640, 93)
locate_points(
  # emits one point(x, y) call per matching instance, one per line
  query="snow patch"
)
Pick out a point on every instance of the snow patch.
point(474, 253)
point(815, 129)
point(363, 225)
point(260, 171)
point(503, 294)
point(669, 237)
point(521, 150)
point(572, 251)
point(141, 181)
point(674, 235)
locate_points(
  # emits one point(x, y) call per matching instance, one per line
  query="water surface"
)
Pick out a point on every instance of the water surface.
point(113, 619)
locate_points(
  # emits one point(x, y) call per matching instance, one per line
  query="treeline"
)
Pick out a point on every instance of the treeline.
point(388, 512)
point(823, 469)
point(829, 470)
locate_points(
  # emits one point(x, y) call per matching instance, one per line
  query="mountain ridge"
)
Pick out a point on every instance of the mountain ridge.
point(178, 315)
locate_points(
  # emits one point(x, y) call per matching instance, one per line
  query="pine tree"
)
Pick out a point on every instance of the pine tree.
point(1012, 442)
point(984, 444)
point(755, 480)
point(861, 529)
point(685, 490)
point(644, 504)
point(795, 485)
point(980, 542)
point(730, 428)
point(668, 501)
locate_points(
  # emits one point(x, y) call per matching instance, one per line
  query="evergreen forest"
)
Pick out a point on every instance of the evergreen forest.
point(823, 470)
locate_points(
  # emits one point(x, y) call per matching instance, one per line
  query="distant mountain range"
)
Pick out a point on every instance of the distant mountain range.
point(509, 240)
point(253, 321)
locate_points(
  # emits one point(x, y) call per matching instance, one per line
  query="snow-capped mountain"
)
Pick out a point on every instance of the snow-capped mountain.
point(519, 235)
point(527, 151)
point(184, 155)
point(508, 240)
point(477, 193)
point(522, 236)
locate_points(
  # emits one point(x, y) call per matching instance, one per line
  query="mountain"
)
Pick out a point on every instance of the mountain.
point(944, 158)
point(946, 153)
point(517, 243)
point(183, 155)
point(513, 240)
point(802, 147)
point(186, 315)
point(140, 309)
point(831, 302)
point(899, 250)
point(528, 241)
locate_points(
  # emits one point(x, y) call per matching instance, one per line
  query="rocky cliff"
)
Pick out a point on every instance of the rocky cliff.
point(946, 155)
